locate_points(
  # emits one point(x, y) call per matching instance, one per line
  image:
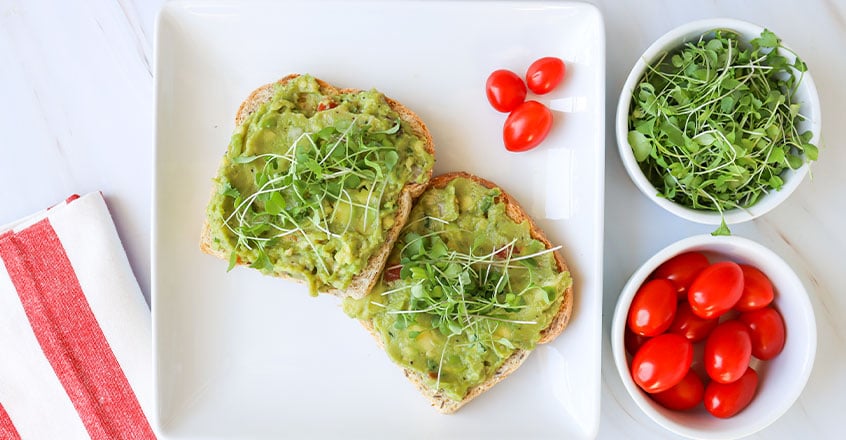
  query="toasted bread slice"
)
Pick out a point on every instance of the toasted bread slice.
point(363, 282)
point(439, 400)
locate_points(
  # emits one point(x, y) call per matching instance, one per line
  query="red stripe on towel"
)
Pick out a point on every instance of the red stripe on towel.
point(7, 428)
point(69, 335)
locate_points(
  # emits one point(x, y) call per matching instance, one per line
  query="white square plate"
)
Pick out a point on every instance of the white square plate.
point(241, 355)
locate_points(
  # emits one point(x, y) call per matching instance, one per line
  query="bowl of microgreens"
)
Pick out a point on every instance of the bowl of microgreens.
point(718, 122)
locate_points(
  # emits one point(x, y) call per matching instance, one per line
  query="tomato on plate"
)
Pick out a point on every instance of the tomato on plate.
point(682, 270)
point(728, 351)
point(526, 126)
point(545, 74)
point(653, 308)
point(685, 395)
point(662, 362)
point(692, 327)
point(724, 400)
point(716, 289)
point(766, 330)
point(505, 90)
point(757, 290)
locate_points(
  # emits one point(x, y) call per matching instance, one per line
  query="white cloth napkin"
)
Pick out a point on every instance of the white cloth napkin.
point(75, 338)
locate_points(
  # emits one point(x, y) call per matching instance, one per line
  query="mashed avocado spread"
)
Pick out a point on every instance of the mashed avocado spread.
point(463, 289)
point(309, 184)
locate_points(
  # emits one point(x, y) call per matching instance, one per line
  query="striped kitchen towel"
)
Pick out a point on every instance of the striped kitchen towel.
point(75, 339)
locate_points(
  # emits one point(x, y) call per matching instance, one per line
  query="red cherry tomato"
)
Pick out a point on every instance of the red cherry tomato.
point(716, 289)
point(526, 126)
point(757, 290)
point(692, 327)
point(725, 400)
point(505, 90)
point(633, 341)
point(767, 332)
point(653, 308)
point(684, 396)
point(662, 362)
point(545, 74)
point(728, 351)
point(682, 270)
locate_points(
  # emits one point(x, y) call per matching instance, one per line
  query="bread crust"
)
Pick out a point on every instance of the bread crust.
point(363, 282)
point(513, 210)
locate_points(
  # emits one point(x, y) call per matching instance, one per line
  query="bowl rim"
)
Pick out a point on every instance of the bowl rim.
point(668, 41)
point(618, 323)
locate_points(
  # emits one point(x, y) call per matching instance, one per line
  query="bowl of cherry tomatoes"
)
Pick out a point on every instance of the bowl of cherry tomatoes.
point(714, 337)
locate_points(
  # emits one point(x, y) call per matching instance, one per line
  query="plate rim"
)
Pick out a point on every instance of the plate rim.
point(170, 10)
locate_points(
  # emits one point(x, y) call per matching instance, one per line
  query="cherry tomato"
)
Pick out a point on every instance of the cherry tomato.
point(545, 74)
point(633, 341)
point(692, 327)
point(684, 396)
point(725, 400)
point(505, 90)
point(526, 126)
point(653, 308)
point(766, 330)
point(757, 290)
point(728, 351)
point(716, 289)
point(682, 270)
point(662, 362)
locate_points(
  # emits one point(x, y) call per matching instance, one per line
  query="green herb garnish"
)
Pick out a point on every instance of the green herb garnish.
point(301, 191)
point(464, 293)
point(714, 125)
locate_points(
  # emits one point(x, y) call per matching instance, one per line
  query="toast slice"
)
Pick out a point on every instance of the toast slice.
point(215, 240)
point(381, 328)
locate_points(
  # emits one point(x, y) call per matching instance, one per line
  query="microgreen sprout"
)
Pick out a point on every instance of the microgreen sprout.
point(300, 193)
point(464, 293)
point(715, 124)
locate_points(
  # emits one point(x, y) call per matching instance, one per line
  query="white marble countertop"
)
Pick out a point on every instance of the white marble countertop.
point(77, 88)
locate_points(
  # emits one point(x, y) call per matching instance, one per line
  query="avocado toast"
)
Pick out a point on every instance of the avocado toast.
point(469, 289)
point(316, 184)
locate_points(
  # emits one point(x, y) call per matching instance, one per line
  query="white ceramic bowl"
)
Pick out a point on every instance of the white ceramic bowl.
point(781, 379)
point(806, 95)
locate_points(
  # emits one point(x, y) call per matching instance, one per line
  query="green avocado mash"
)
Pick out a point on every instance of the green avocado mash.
point(464, 287)
point(309, 184)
